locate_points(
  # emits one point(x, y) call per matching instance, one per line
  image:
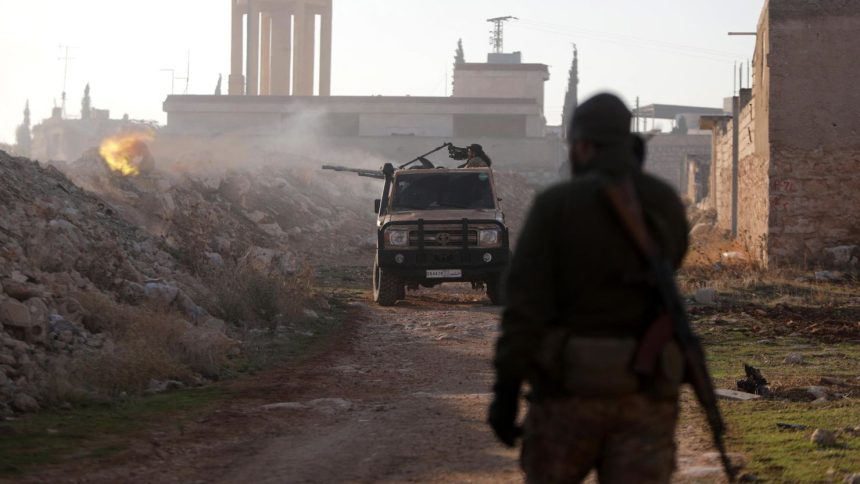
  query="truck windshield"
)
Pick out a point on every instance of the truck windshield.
point(439, 191)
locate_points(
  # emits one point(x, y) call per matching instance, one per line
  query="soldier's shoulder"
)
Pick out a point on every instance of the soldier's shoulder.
point(657, 188)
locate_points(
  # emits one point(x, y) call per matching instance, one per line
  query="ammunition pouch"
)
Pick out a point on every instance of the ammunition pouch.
point(603, 367)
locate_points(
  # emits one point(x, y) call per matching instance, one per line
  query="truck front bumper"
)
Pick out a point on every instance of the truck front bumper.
point(475, 264)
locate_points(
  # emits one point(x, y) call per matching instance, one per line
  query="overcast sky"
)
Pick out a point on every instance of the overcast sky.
point(664, 51)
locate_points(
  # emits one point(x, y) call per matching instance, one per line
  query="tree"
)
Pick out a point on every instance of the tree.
point(459, 56)
point(86, 103)
point(22, 134)
point(680, 125)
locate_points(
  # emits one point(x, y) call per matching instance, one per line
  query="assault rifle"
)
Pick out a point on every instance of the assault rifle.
point(673, 323)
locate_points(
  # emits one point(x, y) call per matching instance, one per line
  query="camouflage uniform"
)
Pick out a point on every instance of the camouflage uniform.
point(476, 162)
point(628, 439)
point(575, 270)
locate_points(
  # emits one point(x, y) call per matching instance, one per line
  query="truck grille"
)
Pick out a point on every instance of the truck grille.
point(444, 237)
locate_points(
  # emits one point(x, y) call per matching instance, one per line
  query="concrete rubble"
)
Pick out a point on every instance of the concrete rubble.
point(155, 240)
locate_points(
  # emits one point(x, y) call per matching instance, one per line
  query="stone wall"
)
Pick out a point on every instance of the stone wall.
point(814, 141)
point(667, 155)
point(721, 186)
point(753, 200)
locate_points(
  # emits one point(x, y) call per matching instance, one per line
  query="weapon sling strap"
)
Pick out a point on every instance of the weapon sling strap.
point(625, 203)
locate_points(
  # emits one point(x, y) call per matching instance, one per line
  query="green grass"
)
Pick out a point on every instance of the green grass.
point(93, 431)
point(99, 431)
point(776, 455)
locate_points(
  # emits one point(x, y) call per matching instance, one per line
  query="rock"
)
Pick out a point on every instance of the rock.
point(852, 479)
point(25, 403)
point(284, 406)
point(794, 359)
point(215, 259)
point(700, 228)
point(726, 394)
point(22, 290)
point(823, 438)
point(330, 405)
point(818, 392)
point(14, 313)
point(310, 314)
point(159, 386)
point(189, 307)
point(711, 473)
point(732, 256)
point(59, 324)
point(215, 324)
point(843, 255)
point(160, 293)
point(706, 295)
point(38, 319)
point(829, 276)
point(7, 359)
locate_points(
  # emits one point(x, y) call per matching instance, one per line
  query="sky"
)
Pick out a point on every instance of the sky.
point(662, 51)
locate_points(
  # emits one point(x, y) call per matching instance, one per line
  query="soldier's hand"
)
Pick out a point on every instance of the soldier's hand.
point(503, 411)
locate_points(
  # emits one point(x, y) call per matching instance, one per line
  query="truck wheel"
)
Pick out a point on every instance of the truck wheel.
point(386, 288)
point(494, 291)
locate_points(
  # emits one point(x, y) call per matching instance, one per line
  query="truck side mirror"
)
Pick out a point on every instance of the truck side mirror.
point(376, 205)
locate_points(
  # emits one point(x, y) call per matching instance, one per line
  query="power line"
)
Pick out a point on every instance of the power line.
point(628, 40)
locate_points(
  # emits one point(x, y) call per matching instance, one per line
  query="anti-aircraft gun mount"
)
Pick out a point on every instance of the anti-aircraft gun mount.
point(454, 152)
point(436, 225)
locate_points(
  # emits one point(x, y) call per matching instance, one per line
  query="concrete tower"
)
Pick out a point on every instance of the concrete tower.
point(276, 30)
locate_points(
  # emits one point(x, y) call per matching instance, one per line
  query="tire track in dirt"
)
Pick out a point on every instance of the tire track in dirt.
point(399, 396)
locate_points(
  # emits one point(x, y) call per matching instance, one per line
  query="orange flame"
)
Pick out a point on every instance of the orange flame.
point(123, 153)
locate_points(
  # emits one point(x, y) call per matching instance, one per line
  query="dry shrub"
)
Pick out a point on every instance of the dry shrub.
point(147, 344)
point(248, 297)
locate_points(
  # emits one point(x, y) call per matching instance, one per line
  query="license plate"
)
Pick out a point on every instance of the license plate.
point(444, 274)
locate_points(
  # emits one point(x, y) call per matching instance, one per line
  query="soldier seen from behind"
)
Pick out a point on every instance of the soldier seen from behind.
point(580, 298)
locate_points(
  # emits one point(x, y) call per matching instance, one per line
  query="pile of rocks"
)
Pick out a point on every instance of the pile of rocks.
point(58, 241)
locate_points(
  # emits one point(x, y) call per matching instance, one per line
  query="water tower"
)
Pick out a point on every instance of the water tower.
point(276, 31)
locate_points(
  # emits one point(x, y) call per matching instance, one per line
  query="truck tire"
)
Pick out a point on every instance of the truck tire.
point(386, 288)
point(494, 291)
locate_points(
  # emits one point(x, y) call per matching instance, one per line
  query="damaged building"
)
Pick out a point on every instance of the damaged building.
point(499, 104)
point(785, 178)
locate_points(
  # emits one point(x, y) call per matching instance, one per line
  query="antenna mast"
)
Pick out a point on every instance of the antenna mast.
point(497, 35)
point(65, 60)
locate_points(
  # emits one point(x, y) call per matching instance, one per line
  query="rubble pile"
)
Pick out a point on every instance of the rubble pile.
point(59, 243)
point(81, 244)
point(280, 215)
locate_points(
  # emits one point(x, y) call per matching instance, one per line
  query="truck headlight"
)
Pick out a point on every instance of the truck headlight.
point(396, 238)
point(488, 237)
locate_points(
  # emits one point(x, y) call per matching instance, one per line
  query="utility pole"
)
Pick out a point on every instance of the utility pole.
point(497, 35)
point(65, 60)
point(187, 77)
point(172, 78)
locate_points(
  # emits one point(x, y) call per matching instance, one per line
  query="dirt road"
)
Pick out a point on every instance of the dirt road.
point(400, 395)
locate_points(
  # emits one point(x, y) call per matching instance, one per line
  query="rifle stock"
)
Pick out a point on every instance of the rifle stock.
point(673, 322)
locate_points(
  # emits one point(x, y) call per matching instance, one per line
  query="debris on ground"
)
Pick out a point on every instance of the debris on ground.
point(726, 394)
point(789, 426)
point(754, 382)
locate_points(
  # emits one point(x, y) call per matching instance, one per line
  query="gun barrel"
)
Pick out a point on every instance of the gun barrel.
point(359, 171)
